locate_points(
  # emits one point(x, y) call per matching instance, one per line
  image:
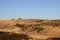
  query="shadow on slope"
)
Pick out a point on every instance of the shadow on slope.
point(13, 36)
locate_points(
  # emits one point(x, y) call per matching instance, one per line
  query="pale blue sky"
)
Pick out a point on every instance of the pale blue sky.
point(45, 9)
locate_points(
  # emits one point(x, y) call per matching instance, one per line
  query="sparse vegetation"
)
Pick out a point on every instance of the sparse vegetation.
point(19, 18)
point(14, 36)
point(42, 27)
point(38, 29)
point(20, 25)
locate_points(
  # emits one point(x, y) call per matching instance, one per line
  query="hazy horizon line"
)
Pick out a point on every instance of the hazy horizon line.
point(30, 18)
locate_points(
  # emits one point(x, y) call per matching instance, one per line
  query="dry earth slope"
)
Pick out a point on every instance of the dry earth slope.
point(38, 29)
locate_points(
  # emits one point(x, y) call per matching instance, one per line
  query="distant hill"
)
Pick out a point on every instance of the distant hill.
point(35, 27)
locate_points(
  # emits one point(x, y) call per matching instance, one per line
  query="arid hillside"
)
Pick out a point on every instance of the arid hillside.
point(37, 29)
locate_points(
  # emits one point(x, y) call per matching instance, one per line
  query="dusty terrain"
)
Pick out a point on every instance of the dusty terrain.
point(37, 29)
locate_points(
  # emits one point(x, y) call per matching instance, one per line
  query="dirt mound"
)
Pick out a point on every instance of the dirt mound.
point(33, 27)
